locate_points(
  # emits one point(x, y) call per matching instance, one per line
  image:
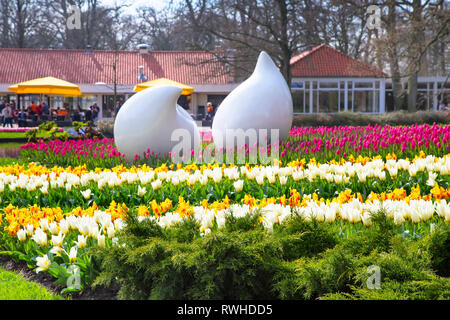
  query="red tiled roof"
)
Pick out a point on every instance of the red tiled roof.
point(325, 61)
point(189, 67)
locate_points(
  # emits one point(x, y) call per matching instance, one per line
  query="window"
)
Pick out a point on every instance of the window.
point(328, 85)
point(298, 99)
point(328, 101)
point(363, 101)
point(363, 85)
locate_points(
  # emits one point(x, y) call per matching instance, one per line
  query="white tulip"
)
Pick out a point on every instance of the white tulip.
point(238, 185)
point(81, 243)
point(156, 184)
point(22, 235)
point(64, 226)
point(58, 240)
point(53, 228)
point(40, 237)
point(101, 240)
point(73, 254)
point(141, 191)
point(43, 263)
point(86, 194)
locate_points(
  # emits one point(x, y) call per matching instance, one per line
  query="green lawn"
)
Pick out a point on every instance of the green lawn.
point(18, 135)
point(15, 287)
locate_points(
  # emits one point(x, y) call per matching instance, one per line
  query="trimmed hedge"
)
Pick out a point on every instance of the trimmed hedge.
point(398, 118)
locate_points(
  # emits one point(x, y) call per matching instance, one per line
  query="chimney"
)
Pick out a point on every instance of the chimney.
point(143, 49)
point(88, 49)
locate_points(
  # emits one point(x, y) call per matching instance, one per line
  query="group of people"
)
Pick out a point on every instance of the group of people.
point(90, 114)
point(43, 111)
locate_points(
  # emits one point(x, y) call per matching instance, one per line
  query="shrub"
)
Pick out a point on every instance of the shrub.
point(397, 118)
point(439, 249)
point(301, 238)
point(431, 289)
point(333, 272)
point(375, 237)
point(222, 265)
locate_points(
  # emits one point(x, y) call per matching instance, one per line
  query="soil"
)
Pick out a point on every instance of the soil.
point(47, 281)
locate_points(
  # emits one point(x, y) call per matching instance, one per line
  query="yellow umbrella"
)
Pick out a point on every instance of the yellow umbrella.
point(187, 90)
point(47, 85)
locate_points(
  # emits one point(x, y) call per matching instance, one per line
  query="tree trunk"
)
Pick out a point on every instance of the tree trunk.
point(412, 92)
point(4, 41)
point(392, 52)
point(417, 42)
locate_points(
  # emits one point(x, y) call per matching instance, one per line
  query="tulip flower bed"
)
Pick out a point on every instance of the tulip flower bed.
point(307, 226)
point(321, 143)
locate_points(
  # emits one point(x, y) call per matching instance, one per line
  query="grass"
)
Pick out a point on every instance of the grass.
point(14, 287)
point(19, 135)
point(9, 145)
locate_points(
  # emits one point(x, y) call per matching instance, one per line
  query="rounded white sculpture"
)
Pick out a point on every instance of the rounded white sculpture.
point(263, 101)
point(148, 119)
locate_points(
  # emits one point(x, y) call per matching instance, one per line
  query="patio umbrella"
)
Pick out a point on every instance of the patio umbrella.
point(187, 90)
point(47, 85)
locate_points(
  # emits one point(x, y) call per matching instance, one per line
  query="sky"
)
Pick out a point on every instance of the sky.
point(157, 4)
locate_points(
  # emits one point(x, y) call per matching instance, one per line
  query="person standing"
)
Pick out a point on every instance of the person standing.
point(95, 112)
point(117, 107)
point(7, 113)
point(33, 108)
point(209, 111)
point(88, 114)
point(45, 109)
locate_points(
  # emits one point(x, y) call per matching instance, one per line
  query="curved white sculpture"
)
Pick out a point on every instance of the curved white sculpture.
point(263, 101)
point(148, 119)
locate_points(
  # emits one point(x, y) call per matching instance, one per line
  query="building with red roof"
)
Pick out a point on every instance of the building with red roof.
point(325, 80)
point(93, 71)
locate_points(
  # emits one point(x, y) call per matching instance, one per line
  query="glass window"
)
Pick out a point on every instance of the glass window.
point(363, 101)
point(363, 85)
point(307, 104)
point(328, 85)
point(297, 85)
point(342, 100)
point(328, 101)
point(298, 101)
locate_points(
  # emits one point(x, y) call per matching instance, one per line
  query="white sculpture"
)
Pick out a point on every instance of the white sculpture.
point(148, 119)
point(263, 101)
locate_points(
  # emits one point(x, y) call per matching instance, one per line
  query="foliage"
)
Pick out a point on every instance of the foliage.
point(50, 131)
point(247, 263)
point(439, 248)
